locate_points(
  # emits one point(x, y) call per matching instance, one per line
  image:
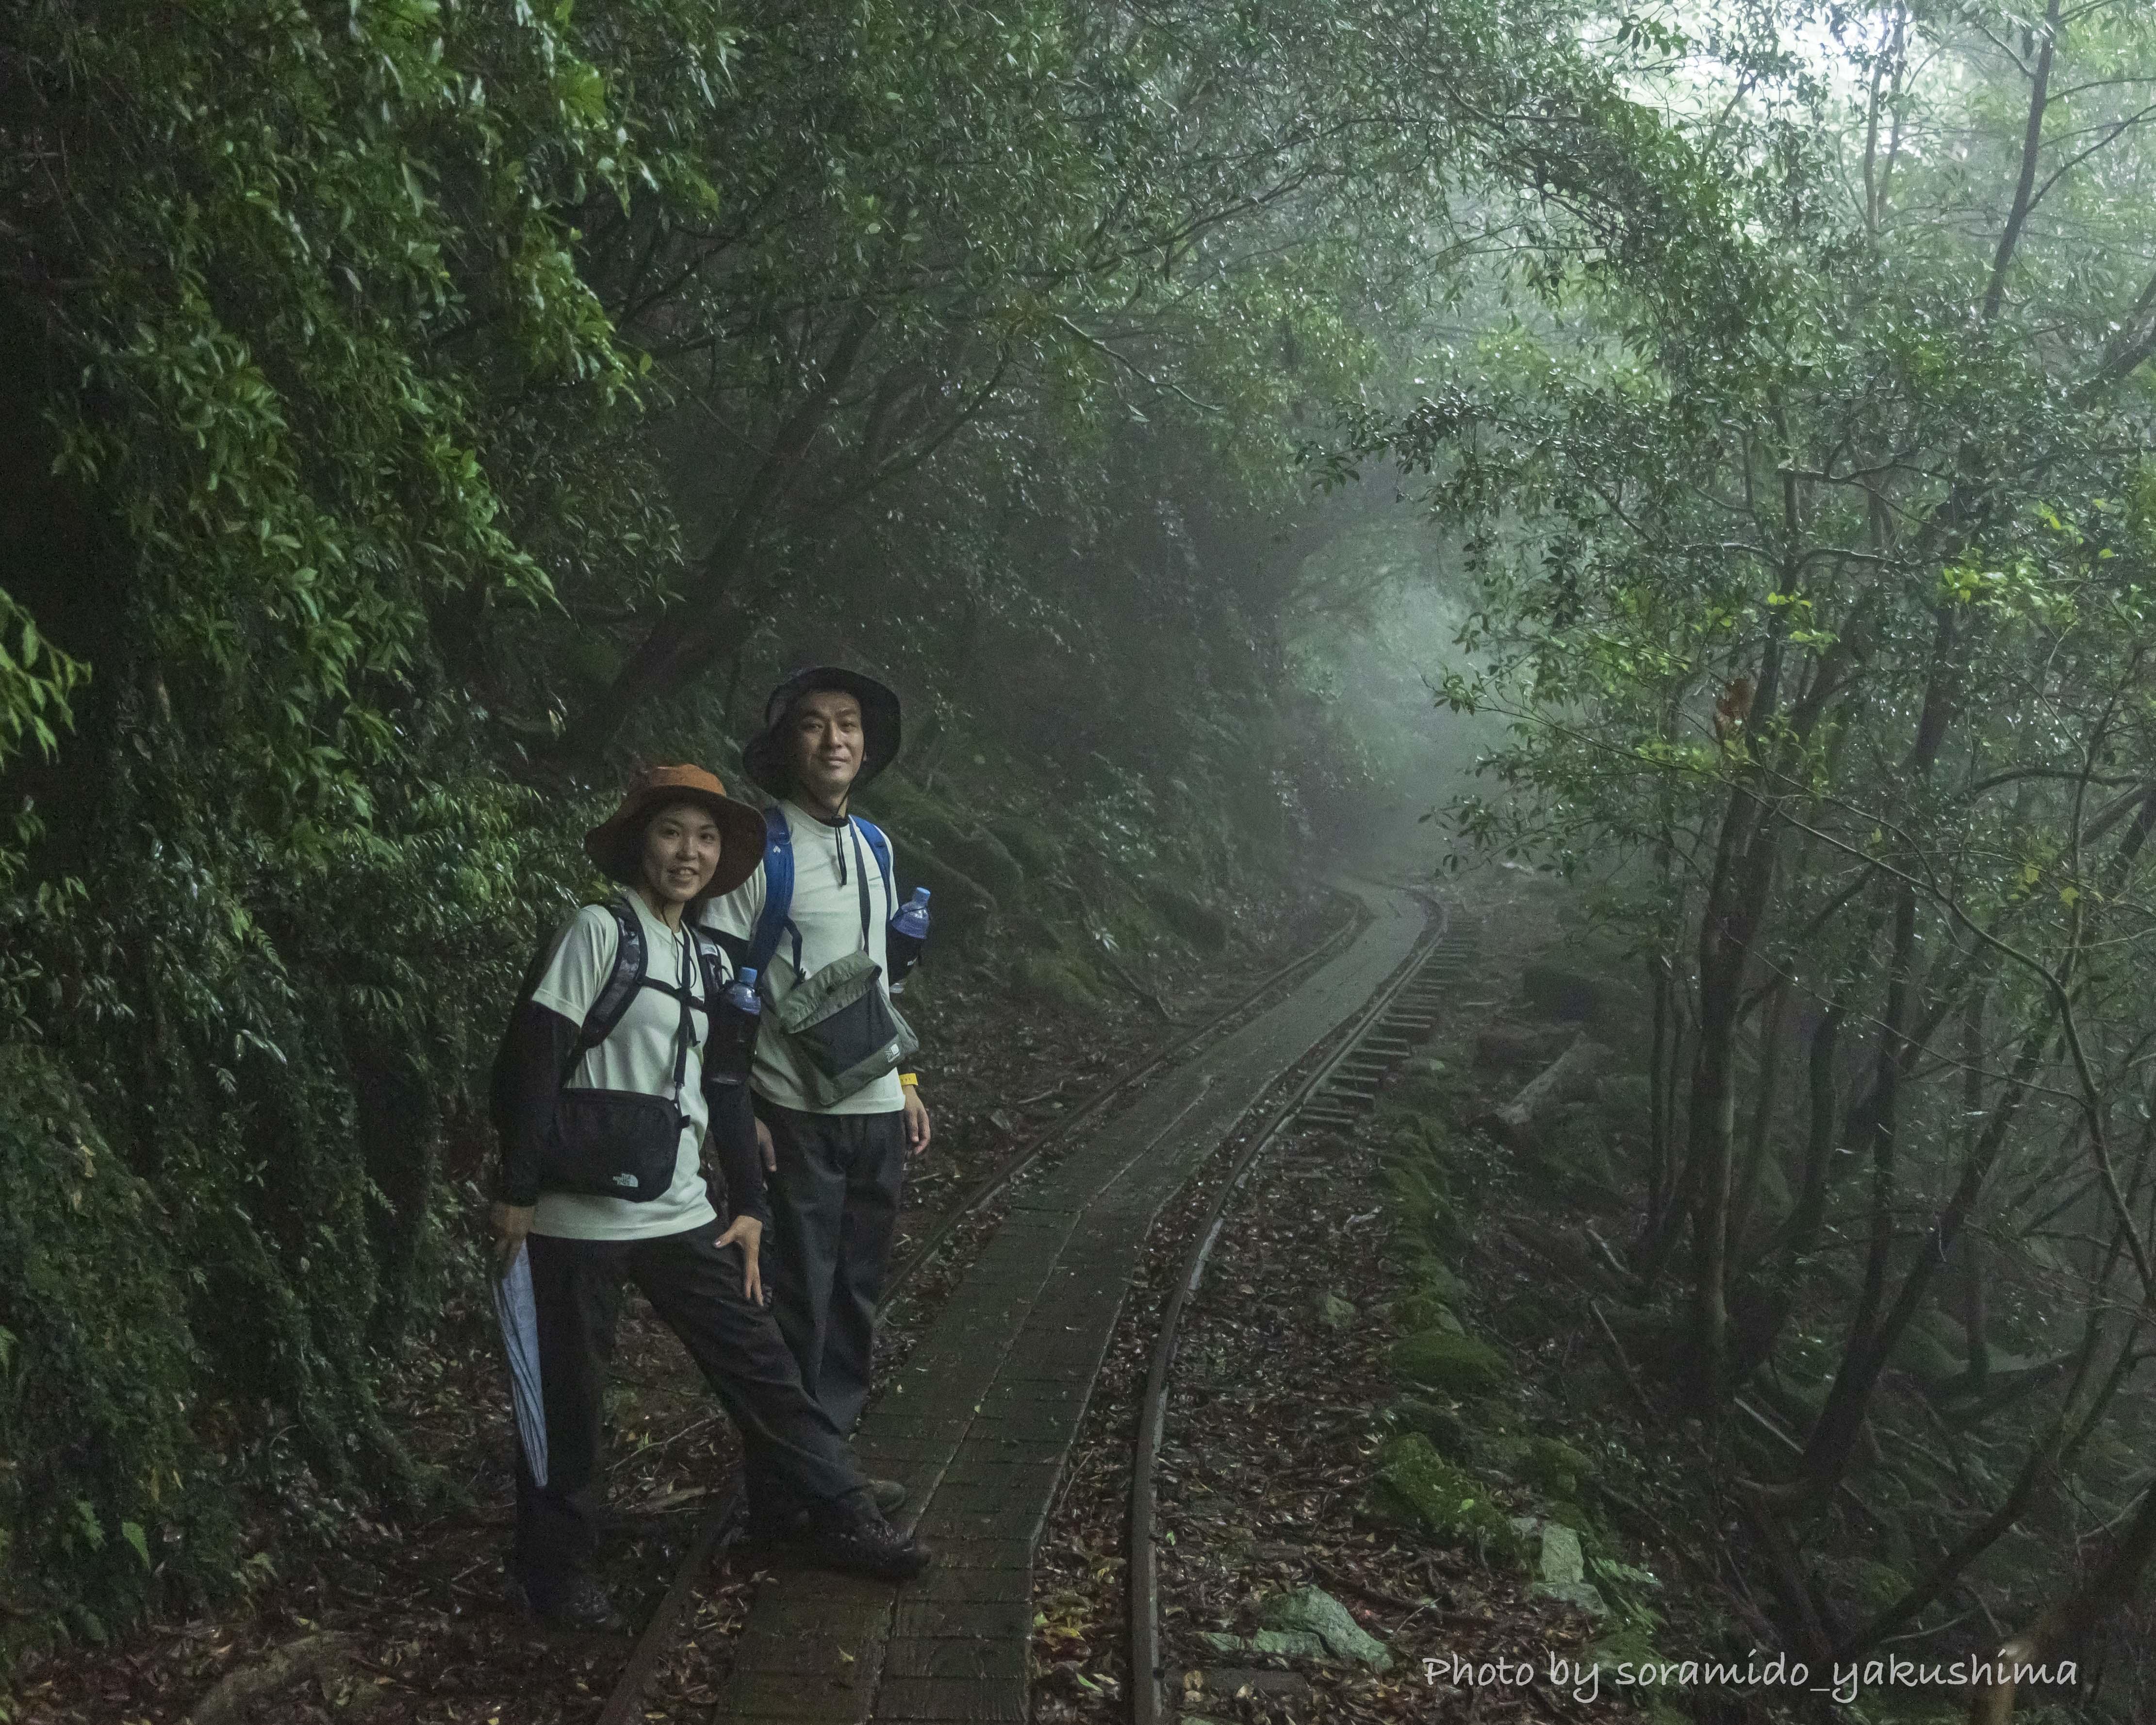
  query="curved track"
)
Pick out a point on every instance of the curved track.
point(978, 1420)
point(1405, 1012)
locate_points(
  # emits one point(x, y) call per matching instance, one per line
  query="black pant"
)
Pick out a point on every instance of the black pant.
point(696, 1288)
point(834, 1211)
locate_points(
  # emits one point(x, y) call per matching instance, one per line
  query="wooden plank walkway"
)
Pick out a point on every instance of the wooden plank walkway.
point(980, 1420)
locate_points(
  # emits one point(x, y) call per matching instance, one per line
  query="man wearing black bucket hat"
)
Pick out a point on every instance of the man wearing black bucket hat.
point(814, 917)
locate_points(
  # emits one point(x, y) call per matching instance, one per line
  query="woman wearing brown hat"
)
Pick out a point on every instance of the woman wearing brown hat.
point(587, 1109)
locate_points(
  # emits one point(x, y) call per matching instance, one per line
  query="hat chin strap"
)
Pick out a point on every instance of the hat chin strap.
point(801, 793)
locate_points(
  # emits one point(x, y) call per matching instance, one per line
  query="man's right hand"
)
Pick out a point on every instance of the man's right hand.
point(763, 1144)
point(512, 1222)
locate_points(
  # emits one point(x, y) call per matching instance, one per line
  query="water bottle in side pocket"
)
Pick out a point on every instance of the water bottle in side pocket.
point(905, 935)
point(734, 1023)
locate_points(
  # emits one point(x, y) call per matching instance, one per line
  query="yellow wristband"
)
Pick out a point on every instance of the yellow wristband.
point(908, 1078)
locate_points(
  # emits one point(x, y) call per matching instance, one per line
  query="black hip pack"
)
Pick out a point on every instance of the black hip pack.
point(611, 1143)
point(618, 1143)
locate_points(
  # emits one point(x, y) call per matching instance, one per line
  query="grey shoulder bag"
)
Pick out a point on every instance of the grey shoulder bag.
point(839, 1024)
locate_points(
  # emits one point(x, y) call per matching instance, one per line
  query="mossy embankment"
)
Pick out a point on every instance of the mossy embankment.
point(1543, 1417)
point(1499, 1440)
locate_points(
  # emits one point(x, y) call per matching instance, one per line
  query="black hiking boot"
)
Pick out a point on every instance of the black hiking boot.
point(766, 1526)
point(575, 1601)
point(856, 1538)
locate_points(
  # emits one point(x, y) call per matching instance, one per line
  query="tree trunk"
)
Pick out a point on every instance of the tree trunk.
point(1772, 1030)
point(1823, 1131)
point(2067, 1620)
point(1562, 1080)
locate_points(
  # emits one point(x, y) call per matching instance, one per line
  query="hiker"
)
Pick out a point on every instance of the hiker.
point(602, 1097)
point(837, 1095)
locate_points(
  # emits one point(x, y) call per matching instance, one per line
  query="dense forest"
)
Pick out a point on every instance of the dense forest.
point(416, 411)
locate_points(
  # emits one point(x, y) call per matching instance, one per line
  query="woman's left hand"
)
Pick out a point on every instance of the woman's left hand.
point(750, 1232)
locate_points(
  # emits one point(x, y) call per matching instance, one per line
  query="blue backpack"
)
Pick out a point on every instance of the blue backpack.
point(776, 919)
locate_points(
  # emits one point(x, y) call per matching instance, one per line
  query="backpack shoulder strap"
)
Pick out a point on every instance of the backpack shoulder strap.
point(632, 961)
point(777, 893)
point(711, 960)
point(879, 847)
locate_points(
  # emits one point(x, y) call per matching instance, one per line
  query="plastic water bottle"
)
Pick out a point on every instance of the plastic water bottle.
point(734, 1026)
point(741, 995)
point(907, 934)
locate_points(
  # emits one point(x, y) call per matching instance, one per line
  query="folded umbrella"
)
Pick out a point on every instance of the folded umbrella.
point(519, 1312)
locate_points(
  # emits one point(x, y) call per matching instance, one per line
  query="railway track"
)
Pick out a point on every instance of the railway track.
point(1339, 1089)
point(625, 1702)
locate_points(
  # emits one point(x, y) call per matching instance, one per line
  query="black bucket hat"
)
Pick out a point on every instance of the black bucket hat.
point(764, 759)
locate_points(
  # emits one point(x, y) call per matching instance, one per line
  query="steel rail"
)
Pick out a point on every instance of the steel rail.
point(1142, 1567)
point(624, 1704)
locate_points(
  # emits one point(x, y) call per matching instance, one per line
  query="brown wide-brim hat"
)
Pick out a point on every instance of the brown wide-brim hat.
point(764, 759)
point(616, 844)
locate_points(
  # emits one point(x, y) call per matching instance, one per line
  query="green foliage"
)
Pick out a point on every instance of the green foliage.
point(36, 679)
point(96, 1295)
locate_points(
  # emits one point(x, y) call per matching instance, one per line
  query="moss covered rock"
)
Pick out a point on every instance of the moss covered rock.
point(1556, 1467)
point(1444, 1359)
point(1445, 1429)
point(1312, 1611)
point(1434, 1277)
point(983, 857)
point(1426, 1311)
point(1416, 1485)
point(1057, 980)
point(1037, 850)
point(1422, 1206)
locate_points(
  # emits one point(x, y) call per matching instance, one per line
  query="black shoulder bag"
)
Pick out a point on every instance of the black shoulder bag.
point(621, 1143)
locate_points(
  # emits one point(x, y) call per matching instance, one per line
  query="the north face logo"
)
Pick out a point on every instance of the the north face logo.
point(624, 1180)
